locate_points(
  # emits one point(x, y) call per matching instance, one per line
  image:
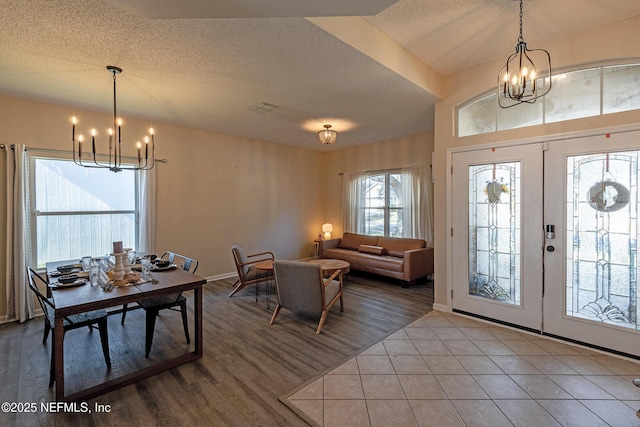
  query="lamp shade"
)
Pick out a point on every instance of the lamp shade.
point(327, 136)
point(327, 229)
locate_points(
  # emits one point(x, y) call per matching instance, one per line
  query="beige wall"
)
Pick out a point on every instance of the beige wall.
point(397, 153)
point(216, 189)
point(607, 44)
point(213, 191)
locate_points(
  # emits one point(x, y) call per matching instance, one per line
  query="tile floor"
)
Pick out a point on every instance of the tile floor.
point(450, 370)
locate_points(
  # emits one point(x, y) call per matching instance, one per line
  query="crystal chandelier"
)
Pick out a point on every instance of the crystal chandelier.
point(518, 80)
point(146, 160)
point(327, 136)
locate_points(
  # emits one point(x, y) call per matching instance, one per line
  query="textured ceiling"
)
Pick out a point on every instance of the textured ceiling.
point(206, 73)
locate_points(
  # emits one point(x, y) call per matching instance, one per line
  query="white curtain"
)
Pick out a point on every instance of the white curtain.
point(417, 221)
point(352, 201)
point(20, 305)
point(147, 204)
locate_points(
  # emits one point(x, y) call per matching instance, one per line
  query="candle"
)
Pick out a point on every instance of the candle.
point(93, 141)
point(119, 131)
point(153, 142)
point(80, 146)
point(73, 128)
point(117, 247)
point(146, 147)
point(110, 137)
point(139, 159)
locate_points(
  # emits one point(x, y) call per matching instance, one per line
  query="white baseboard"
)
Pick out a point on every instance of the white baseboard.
point(37, 313)
point(441, 307)
point(221, 276)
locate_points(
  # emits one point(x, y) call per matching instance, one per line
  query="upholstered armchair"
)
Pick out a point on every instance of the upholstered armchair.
point(247, 273)
point(301, 287)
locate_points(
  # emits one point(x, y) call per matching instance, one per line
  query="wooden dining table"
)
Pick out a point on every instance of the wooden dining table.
point(79, 299)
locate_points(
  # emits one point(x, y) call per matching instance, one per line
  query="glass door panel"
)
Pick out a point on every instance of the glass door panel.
point(494, 226)
point(602, 233)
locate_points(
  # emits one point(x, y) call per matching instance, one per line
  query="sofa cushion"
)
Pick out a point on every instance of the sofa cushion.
point(389, 263)
point(353, 241)
point(343, 254)
point(396, 246)
point(370, 249)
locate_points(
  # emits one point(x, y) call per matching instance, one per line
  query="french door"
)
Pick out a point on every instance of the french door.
point(545, 237)
point(497, 243)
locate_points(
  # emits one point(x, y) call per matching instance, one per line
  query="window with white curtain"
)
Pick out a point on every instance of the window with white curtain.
point(78, 211)
point(394, 203)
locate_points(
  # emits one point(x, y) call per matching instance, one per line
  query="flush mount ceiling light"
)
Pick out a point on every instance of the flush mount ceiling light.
point(145, 162)
point(518, 80)
point(327, 136)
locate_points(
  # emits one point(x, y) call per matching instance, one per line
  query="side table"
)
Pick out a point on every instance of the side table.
point(265, 268)
point(316, 248)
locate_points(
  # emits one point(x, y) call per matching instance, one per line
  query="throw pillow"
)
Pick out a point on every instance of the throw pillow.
point(374, 250)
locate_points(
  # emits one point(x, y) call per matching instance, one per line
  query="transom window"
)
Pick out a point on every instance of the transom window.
point(80, 211)
point(583, 93)
point(383, 204)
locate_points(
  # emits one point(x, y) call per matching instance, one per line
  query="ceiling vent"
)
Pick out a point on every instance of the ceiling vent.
point(262, 107)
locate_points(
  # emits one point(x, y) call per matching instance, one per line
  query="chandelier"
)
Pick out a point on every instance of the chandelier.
point(327, 136)
point(146, 160)
point(518, 81)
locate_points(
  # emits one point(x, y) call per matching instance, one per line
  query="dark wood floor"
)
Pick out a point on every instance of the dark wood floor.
point(247, 365)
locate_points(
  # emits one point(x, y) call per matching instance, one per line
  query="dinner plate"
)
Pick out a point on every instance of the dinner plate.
point(59, 273)
point(78, 282)
point(167, 268)
point(69, 278)
point(65, 269)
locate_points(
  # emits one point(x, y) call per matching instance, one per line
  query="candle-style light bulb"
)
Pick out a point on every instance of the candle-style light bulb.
point(119, 131)
point(533, 80)
point(80, 138)
point(93, 141)
point(74, 121)
point(146, 147)
point(139, 146)
point(110, 131)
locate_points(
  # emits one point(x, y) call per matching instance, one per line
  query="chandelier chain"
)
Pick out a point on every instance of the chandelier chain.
point(520, 39)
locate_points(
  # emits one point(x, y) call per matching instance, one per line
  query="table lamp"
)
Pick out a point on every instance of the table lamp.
point(327, 229)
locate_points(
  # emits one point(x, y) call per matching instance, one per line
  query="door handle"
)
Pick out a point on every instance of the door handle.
point(550, 248)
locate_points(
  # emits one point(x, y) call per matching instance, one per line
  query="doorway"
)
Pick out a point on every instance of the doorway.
point(545, 238)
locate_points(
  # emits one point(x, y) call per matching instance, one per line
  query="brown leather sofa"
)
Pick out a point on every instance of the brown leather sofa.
point(400, 258)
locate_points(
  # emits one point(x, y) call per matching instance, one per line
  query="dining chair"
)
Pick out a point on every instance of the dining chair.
point(47, 325)
point(175, 302)
point(74, 321)
point(247, 273)
point(301, 287)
